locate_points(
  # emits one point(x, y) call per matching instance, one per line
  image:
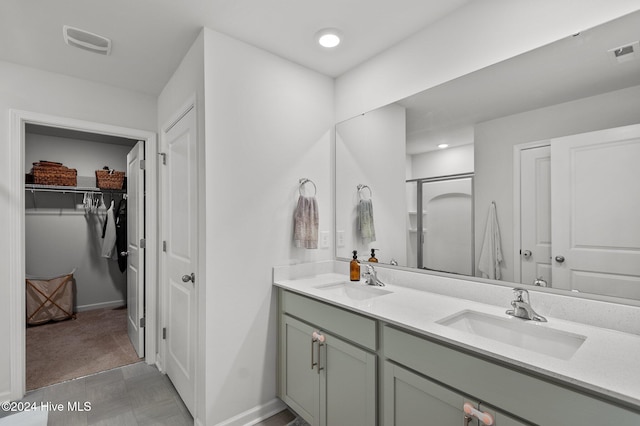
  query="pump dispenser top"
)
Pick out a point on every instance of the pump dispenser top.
point(354, 267)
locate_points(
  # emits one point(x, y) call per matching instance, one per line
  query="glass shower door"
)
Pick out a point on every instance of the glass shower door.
point(445, 228)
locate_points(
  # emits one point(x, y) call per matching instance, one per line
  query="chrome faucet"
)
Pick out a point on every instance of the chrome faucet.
point(522, 307)
point(372, 277)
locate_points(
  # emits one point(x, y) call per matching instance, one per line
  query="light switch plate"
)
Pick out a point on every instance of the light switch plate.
point(324, 239)
point(340, 238)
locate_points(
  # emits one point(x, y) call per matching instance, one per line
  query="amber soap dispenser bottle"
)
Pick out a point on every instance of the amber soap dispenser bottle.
point(354, 267)
point(373, 256)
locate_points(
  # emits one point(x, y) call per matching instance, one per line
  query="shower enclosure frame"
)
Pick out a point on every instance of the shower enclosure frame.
point(420, 240)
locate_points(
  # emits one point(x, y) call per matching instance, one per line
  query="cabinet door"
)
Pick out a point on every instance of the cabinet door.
point(347, 384)
point(410, 399)
point(300, 379)
point(502, 419)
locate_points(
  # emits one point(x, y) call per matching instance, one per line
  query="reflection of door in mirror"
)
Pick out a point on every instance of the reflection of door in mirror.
point(441, 238)
point(596, 199)
point(586, 236)
point(535, 214)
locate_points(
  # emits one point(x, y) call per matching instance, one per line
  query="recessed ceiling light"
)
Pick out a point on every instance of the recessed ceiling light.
point(443, 145)
point(328, 37)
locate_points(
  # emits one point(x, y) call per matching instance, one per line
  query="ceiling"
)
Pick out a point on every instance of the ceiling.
point(572, 68)
point(150, 37)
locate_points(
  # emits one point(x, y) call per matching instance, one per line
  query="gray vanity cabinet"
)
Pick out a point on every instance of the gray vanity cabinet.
point(411, 399)
point(536, 400)
point(326, 379)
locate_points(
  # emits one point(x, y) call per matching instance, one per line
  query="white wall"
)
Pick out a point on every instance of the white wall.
point(268, 124)
point(494, 152)
point(383, 170)
point(450, 161)
point(59, 237)
point(479, 34)
point(33, 90)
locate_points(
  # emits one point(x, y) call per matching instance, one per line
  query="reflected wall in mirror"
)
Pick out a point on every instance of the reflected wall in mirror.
point(504, 126)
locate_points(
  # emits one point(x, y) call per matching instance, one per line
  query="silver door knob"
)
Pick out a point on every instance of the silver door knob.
point(187, 278)
point(124, 253)
point(559, 259)
point(526, 254)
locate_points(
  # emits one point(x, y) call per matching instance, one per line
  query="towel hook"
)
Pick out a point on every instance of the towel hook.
point(361, 187)
point(303, 181)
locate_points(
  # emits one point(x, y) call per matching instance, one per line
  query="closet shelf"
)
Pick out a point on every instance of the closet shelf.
point(70, 189)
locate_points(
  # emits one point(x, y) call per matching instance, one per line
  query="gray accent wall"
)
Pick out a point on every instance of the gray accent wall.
point(59, 236)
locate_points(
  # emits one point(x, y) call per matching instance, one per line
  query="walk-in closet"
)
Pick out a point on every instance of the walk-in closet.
point(76, 254)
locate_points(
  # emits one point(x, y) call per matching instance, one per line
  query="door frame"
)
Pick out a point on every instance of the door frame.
point(16, 238)
point(517, 200)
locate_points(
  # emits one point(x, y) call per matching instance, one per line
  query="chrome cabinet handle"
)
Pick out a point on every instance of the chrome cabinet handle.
point(124, 253)
point(191, 277)
point(316, 337)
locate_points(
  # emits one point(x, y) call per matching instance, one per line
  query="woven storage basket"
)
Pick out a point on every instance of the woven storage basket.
point(50, 173)
point(109, 179)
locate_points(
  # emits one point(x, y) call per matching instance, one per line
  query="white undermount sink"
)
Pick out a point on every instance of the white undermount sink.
point(354, 291)
point(524, 334)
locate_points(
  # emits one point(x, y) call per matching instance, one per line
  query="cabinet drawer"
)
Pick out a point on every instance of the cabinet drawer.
point(529, 397)
point(351, 326)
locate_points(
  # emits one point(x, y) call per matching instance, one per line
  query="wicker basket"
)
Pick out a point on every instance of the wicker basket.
point(50, 173)
point(109, 179)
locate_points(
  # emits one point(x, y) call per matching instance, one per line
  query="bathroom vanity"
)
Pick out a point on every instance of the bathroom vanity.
point(352, 354)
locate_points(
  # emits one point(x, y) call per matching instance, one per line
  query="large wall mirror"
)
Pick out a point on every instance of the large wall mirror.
point(512, 166)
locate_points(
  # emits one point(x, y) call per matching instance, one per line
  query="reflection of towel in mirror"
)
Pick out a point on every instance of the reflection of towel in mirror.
point(491, 252)
point(366, 230)
point(305, 223)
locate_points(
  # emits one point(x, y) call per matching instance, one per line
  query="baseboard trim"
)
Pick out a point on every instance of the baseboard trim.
point(103, 305)
point(255, 414)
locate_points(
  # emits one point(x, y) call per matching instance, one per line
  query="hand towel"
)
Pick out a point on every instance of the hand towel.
point(491, 252)
point(305, 223)
point(366, 229)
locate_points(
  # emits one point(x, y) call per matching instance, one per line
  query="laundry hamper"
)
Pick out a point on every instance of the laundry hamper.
point(49, 299)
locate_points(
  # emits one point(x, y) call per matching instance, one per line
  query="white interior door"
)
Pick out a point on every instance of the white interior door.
point(179, 208)
point(135, 259)
point(596, 199)
point(535, 214)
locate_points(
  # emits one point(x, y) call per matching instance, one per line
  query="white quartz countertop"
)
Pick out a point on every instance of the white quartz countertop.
point(606, 363)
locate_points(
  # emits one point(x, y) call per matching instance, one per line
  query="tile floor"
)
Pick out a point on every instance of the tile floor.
point(135, 395)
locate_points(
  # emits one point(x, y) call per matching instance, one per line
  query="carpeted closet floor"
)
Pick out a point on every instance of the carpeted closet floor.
point(95, 341)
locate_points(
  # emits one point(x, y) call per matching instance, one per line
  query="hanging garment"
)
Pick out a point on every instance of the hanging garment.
point(366, 230)
point(109, 234)
point(491, 252)
point(121, 234)
point(305, 223)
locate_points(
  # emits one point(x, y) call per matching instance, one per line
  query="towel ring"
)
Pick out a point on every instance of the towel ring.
point(361, 187)
point(303, 181)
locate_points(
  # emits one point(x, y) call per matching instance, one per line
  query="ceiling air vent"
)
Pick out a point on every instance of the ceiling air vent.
point(85, 40)
point(625, 53)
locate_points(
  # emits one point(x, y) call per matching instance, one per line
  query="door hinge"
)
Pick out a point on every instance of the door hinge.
point(142, 322)
point(143, 243)
point(164, 157)
point(143, 164)
point(164, 333)
point(164, 246)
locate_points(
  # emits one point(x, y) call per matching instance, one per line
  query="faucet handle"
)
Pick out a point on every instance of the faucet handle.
point(521, 295)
